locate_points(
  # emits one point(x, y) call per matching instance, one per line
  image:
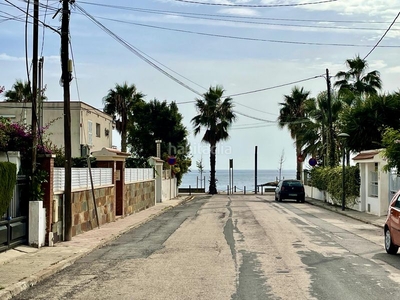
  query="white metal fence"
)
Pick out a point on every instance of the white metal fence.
point(80, 178)
point(133, 175)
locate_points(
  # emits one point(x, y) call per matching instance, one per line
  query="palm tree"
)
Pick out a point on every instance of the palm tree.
point(293, 116)
point(356, 82)
point(216, 116)
point(317, 137)
point(119, 103)
point(20, 92)
point(366, 122)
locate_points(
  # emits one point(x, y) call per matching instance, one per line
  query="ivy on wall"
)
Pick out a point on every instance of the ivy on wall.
point(8, 180)
point(331, 180)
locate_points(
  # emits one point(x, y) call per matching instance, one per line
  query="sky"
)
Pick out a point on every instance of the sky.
point(174, 50)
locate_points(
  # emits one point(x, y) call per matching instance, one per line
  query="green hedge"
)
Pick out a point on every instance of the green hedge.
point(330, 180)
point(8, 180)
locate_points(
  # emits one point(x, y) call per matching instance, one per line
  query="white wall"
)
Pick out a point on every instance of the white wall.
point(37, 224)
point(169, 189)
point(314, 193)
point(371, 204)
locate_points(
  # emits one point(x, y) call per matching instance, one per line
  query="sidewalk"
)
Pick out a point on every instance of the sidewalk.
point(354, 214)
point(24, 266)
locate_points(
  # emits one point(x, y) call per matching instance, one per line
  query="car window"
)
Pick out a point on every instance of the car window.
point(292, 183)
point(397, 203)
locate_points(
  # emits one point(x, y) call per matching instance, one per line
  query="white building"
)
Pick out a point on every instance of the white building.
point(89, 126)
point(375, 188)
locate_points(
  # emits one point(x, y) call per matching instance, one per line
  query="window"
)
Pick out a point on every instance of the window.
point(97, 130)
point(397, 203)
point(373, 184)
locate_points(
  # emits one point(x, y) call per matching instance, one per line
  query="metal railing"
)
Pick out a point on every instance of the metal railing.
point(136, 174)
point(80, 178)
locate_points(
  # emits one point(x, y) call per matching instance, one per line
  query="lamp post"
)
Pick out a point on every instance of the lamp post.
point(343, 136)
point(158, 148)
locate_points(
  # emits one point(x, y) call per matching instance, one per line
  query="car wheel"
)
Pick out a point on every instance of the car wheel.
point(302, 200)
point(389, 246)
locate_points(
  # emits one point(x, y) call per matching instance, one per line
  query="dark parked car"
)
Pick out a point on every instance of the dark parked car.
point(290, 189)
point(392, 225)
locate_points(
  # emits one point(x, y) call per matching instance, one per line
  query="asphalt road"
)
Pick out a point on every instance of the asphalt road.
point(235, 247)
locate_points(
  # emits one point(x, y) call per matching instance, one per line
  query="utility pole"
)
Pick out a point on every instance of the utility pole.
point(35, 82)
point(331, 146)
point(67, 118)
point(255, 170)
point(40, 94)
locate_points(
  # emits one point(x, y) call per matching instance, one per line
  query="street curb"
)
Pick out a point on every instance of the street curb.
point(15, 289)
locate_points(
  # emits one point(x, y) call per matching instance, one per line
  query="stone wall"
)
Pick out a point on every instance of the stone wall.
point(83, 213)
point(139, 196)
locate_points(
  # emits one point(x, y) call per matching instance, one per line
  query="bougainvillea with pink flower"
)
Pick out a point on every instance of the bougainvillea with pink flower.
point(18, 137)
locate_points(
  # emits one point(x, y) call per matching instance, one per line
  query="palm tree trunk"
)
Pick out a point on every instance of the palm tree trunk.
point(123, 141)
point(299, 166)
point(123, 129)
point(213, 184)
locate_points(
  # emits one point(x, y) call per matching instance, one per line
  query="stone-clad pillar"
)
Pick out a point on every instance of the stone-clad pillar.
point(113, 158)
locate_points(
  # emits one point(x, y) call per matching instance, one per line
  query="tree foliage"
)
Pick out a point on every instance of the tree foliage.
point(356, 109)
point(165, 125)
point(314, 136)
point(356, 81)
point(366, 121)
point(20, 92)
point(121, 103)
point(391, 142)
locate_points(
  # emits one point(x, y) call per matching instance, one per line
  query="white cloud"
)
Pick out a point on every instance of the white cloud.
point(248, 12)
point(6, 57)
point(393, 70)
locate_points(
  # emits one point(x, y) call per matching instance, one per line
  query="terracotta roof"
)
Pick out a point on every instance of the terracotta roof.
point(366, 155)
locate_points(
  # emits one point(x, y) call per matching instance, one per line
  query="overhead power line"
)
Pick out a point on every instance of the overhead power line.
point(251, 39)
point(134, 50)
point(254, 118)
point(274, 87)
point(252, 23)
point(178, 13)
point(262, 89)
point(257, 5)
point(383, 36)
point(28, 14)
point(255, 109)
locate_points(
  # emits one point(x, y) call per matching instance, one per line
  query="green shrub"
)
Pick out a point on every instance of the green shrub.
point(331, 180)
point(37, 191)
point(8, 180)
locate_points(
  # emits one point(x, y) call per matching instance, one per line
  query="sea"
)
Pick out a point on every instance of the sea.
point(242, 179)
